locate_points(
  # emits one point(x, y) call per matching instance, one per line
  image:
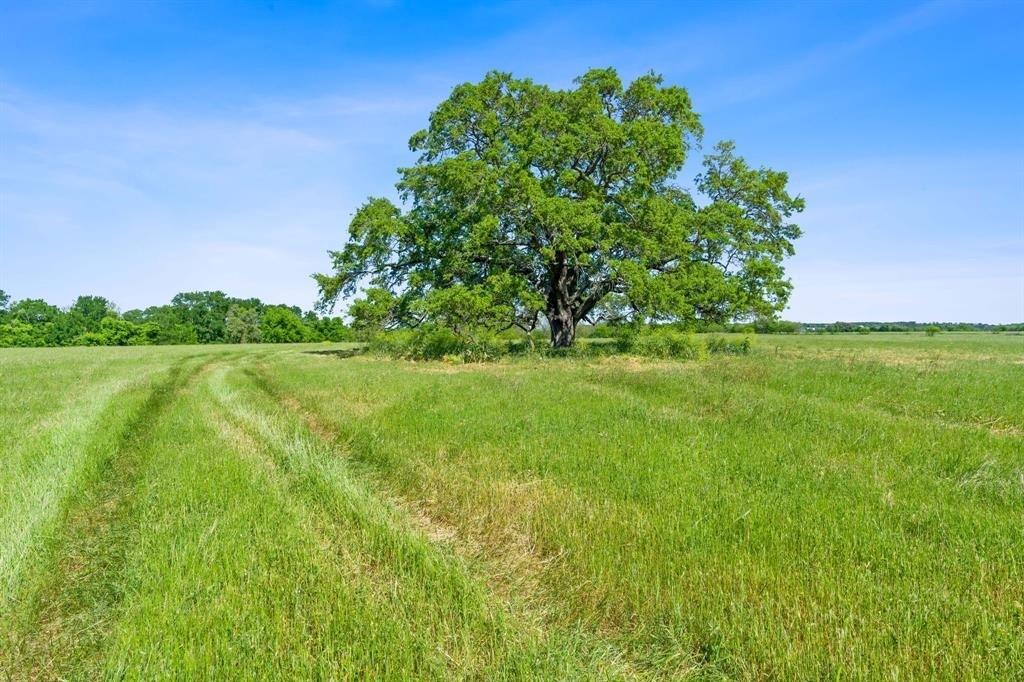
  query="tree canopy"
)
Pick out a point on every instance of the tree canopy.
point(283, 325)
point(242, 325)
point(90, 311)
point(529, 202)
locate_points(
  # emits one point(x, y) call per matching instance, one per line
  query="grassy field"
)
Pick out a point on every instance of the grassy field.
point(826, 507)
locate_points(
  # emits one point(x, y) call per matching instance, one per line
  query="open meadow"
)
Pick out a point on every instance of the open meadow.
point(847, 506)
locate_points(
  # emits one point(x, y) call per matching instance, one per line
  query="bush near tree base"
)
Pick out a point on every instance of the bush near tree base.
point(430, 342)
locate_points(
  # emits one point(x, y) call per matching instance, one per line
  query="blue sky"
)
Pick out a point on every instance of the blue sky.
point(147, 148)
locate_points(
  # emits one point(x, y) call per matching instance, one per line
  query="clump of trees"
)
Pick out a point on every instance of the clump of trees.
point(192, 317)
point(529, 203)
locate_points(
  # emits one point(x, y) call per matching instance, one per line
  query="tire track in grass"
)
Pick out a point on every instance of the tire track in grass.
point(502, 587)
point(45, 472)
point(388, 564)
point(63, 621)
point(339, 518)
point(230, 581)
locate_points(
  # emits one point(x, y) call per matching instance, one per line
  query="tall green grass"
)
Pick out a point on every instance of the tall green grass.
point(836, 506)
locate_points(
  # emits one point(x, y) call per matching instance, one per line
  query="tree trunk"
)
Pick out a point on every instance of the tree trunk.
point(563, 328)
point(560, 314)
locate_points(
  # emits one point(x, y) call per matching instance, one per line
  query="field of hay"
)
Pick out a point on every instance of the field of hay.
point(847, 506)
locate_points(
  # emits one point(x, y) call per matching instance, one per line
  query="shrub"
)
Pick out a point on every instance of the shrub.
point(725, 346)
point(91, 339)
point(661, 343)
point(18, 333)
point(388, 343)
point(430, 342)
point(932, 330)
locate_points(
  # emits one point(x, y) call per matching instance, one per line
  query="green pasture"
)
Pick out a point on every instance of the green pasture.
point(826, 507)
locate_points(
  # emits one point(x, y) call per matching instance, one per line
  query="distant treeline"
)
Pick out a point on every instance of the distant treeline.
point(789, 327)
point(834, 327)
point(215, 317)
point(192, 317)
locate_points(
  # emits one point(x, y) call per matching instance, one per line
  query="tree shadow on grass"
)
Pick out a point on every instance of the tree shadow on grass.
point(338, 353)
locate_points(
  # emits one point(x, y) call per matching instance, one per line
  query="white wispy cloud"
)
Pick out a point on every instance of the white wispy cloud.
point(816, 62)
point(156, 187)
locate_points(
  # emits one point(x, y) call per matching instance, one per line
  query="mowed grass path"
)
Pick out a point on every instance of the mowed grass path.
point(828, 507)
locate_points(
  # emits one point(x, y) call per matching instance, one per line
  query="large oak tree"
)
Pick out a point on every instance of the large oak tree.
point(527, 201)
